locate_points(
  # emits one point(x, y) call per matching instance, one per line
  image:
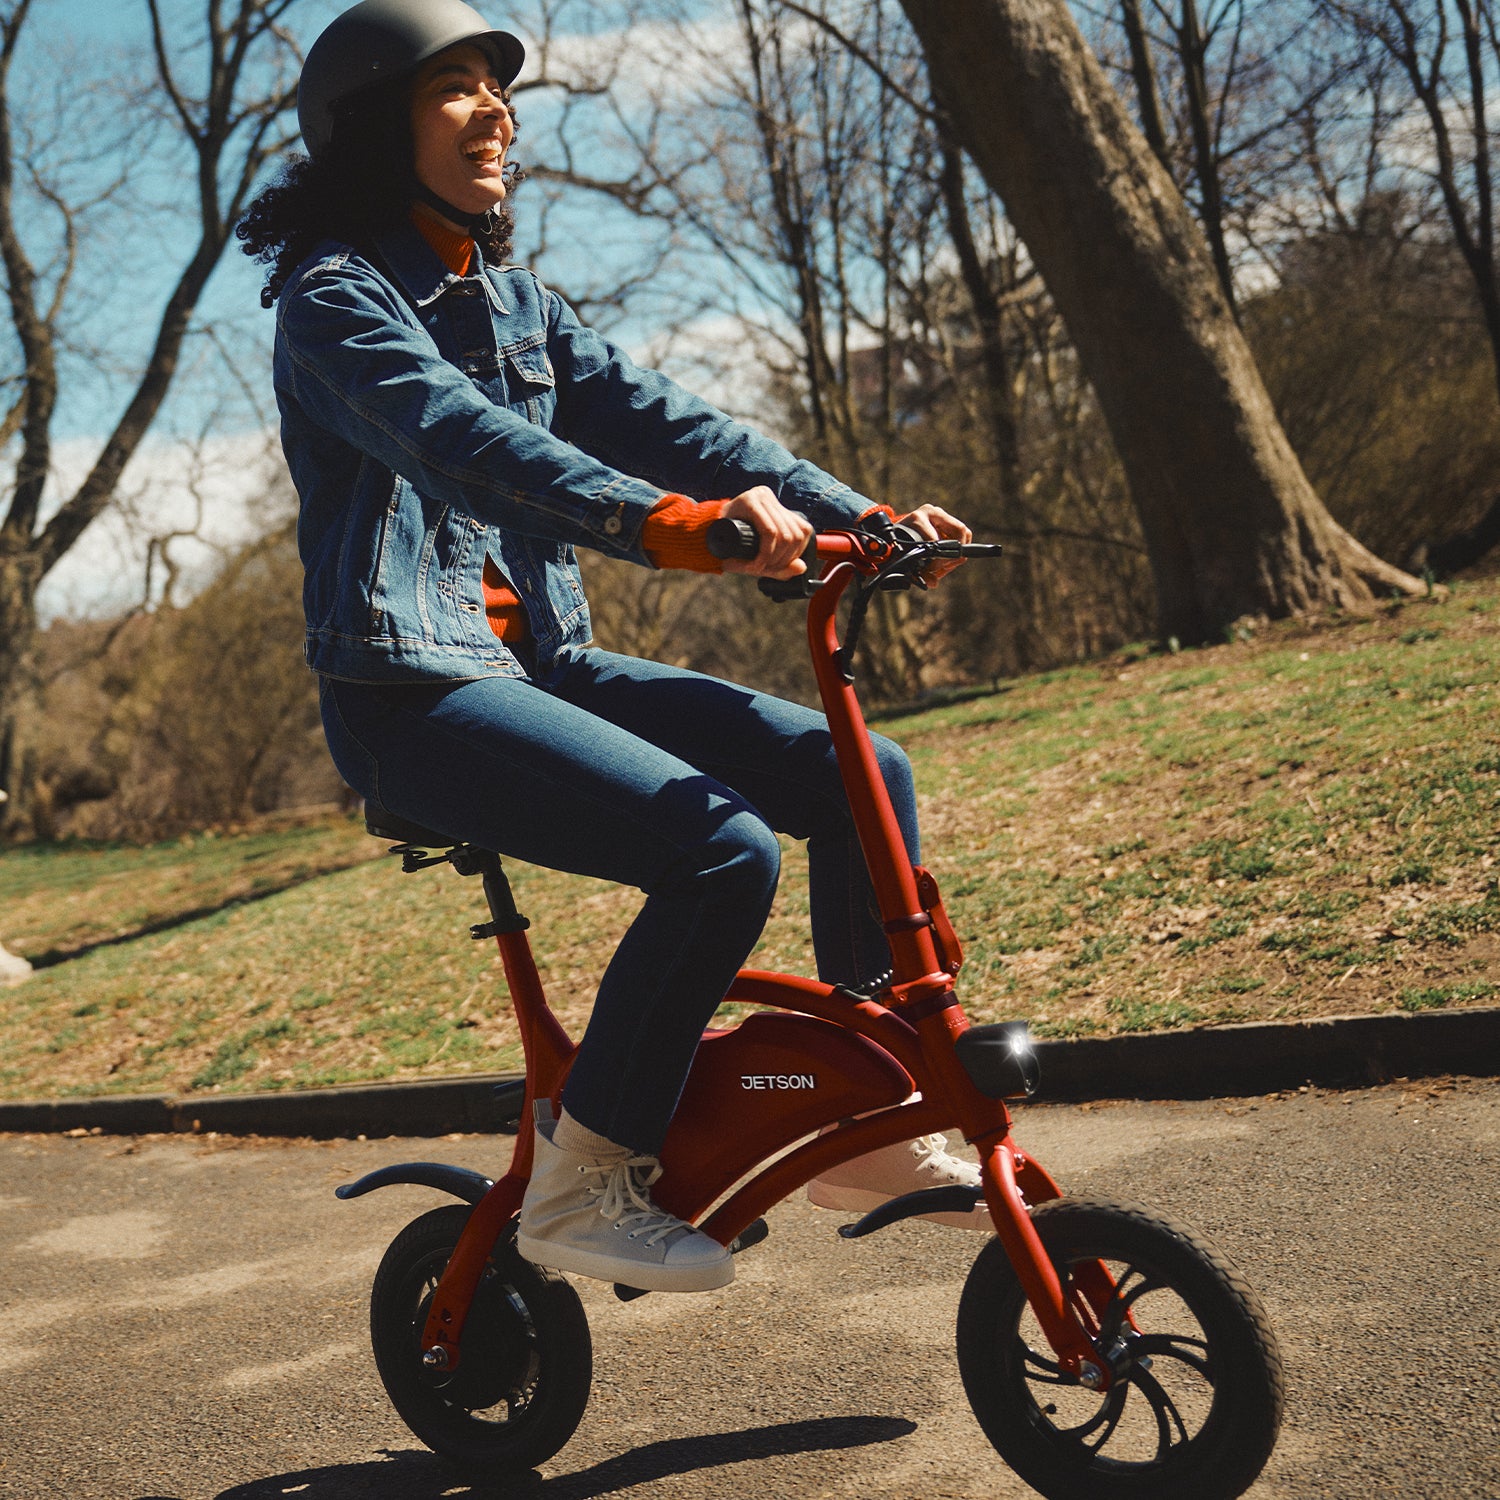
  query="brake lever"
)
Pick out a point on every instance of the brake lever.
point(782, 590)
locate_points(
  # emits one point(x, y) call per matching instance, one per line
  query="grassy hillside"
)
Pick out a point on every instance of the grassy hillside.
point(1302, 823)
point(60, 901)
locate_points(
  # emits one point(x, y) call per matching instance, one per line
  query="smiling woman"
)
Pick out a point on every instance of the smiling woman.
point(454, 432)
point(358, 108)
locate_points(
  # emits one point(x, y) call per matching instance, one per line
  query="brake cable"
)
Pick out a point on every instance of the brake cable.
point(901, 571)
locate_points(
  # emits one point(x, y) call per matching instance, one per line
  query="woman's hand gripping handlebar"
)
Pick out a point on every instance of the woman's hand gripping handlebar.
point(778, 537)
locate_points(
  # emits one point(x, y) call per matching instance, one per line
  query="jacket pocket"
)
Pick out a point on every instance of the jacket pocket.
point(530, 367)
point(530, 385)
point(375, 619)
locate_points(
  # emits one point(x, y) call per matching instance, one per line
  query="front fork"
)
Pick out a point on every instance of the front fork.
point(1005, 1172)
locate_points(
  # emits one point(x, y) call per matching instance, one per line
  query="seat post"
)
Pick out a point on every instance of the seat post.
point(547, 1047)
point(498, 896)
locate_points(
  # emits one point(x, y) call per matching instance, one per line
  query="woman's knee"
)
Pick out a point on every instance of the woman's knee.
point(895, 768)
point(753, 854)
point(734, 856)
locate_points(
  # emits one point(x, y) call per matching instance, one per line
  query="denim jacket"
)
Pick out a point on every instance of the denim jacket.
point(429, 419)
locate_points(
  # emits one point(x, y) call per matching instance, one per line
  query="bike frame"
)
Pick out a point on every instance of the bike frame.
point(877, 1052)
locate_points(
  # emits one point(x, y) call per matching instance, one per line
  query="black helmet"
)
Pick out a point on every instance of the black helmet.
point(378, 41)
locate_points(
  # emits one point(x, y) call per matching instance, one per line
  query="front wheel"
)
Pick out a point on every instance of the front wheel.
point(1195, 1401)
point(526, 1363)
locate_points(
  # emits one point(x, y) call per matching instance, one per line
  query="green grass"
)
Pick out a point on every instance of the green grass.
point(1436, 996)
point(60, 899)
point(1301, 823)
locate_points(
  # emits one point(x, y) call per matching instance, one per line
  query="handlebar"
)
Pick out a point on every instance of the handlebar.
point(728, 538)
point(878, 542)
point(884, 553)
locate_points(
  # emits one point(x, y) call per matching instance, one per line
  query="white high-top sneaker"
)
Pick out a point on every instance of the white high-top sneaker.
point(909, 1166)
point(595, 1218)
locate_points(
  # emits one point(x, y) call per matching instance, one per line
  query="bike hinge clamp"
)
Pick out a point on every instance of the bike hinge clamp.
point(950, 950)
point(481, 930)
point(914, 923)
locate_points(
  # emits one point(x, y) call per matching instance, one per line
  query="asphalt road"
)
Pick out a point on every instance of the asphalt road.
point(185, 1317)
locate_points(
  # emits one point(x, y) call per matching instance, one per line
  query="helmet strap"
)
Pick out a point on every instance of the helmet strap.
point(476, 224)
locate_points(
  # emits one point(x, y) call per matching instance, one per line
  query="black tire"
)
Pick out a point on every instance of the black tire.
point(1197, 1421)
point(522, 1381)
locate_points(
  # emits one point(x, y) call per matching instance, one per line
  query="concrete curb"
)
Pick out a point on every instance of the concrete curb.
point(480, 1103)
point(1213, 1062)
point(1261, 1057)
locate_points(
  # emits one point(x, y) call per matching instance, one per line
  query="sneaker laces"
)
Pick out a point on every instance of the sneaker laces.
point(932, 1154)
point(623, 1198)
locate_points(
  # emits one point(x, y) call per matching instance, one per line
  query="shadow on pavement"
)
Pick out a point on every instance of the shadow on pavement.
point(412, 1475)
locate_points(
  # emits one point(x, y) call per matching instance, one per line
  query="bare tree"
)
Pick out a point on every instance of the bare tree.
point(773, 167)
point(232, 121)
point(1449, 52)
point(1232, 526)
point(1220, 89)
point(1143, 71)
point(790, 157)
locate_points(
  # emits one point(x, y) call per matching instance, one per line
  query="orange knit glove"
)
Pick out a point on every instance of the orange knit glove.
point(675, 534)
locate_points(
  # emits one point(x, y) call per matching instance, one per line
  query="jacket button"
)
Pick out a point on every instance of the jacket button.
point(613, 524)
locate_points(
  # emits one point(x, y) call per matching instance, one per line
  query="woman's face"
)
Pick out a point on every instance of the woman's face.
point(460, 128)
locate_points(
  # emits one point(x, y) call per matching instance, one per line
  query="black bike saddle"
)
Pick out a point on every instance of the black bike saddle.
point(384, 824)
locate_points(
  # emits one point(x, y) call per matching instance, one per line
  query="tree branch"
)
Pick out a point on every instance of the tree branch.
point(854, 49)
point(164, 72)
point(35, 335)
point(1144, 74)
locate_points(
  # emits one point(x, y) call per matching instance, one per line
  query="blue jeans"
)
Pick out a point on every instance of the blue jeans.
point(644, 775)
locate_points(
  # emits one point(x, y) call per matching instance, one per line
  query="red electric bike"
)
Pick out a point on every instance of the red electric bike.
point(1108, 1352)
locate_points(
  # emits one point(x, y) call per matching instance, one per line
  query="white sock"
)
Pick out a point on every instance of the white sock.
point(579, 1140)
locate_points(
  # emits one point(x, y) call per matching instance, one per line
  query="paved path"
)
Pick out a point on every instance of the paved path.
point(184, 1318)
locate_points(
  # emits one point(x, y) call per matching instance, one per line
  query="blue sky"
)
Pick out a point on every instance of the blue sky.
point(76, 58)
point(91, 49)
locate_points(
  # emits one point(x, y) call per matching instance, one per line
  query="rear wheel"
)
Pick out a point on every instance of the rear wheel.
point(1194, 1405)
point(526, 1359)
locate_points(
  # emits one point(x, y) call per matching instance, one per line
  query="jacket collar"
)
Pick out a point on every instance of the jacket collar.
point(418, 269)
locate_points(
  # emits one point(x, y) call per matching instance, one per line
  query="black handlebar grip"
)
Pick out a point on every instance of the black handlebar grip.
point(730, 538)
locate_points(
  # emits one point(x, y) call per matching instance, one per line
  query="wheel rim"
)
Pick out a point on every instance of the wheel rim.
point(1161, 1394)
point(499, 1374)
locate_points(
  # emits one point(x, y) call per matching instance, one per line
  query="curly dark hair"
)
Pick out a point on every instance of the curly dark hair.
point(362, 185)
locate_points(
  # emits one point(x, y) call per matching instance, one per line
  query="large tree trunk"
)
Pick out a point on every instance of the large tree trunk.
point(19, 575)
point(1232, 525)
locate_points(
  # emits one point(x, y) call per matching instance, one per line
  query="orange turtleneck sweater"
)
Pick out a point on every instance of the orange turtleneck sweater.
point(673, 535)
